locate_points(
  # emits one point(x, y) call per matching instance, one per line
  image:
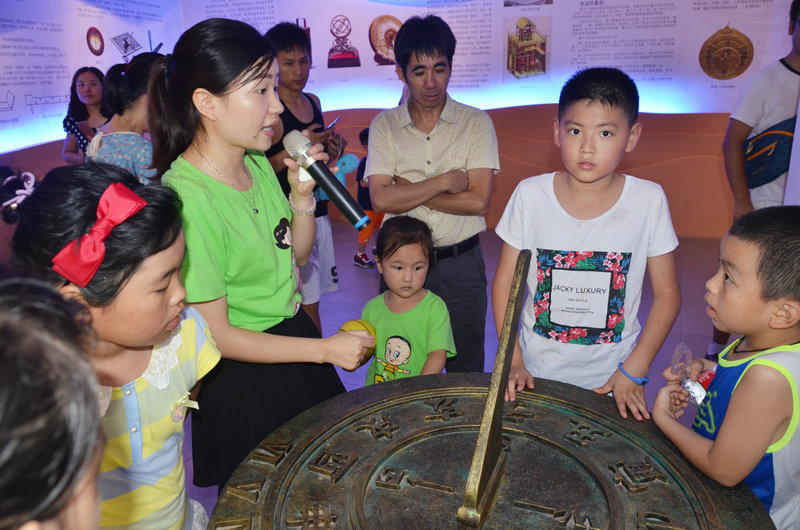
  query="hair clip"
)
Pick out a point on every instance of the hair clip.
point(79, 260)
point(28, 183)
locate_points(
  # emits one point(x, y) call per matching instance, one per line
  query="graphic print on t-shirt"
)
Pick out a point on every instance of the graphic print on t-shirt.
point(398, 352)
point(580, 295)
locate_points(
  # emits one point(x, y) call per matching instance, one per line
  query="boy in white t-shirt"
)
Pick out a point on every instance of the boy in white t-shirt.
point(593, 233)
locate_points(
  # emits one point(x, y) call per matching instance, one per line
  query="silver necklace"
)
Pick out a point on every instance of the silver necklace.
point(250, 193)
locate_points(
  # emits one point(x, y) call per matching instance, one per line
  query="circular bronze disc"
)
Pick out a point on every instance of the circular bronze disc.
point(397, 455)
point(726, 54)
point(95, 42)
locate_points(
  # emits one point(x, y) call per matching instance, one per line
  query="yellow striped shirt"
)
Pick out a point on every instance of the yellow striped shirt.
point(141, 481)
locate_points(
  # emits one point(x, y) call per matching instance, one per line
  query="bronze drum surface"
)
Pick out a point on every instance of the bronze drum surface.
point(397, 455)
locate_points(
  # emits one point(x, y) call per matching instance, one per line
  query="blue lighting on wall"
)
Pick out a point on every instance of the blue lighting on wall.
point(379, 94)
point(32, 133)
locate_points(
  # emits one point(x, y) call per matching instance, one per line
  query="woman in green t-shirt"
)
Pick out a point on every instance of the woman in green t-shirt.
point(212, 109)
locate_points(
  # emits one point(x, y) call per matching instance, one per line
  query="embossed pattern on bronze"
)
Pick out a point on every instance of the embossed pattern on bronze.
point(417, 478)
point(726, 54)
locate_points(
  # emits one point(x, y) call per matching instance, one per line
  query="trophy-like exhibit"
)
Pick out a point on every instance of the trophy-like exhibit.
point(343, 54)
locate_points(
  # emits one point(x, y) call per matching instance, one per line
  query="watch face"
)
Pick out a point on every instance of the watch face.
point(94, 39)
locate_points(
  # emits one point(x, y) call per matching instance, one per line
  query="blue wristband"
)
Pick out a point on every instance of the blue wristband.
point(638, 380)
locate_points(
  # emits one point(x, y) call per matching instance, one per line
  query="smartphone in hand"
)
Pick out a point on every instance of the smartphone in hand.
point(331, 124)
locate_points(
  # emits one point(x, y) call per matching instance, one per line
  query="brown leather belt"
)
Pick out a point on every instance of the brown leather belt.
point(454, 250)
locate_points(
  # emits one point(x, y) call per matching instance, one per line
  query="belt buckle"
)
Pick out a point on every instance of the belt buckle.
point(466, 245)
point(447, 252)
point(452, 251)
point(458, 246)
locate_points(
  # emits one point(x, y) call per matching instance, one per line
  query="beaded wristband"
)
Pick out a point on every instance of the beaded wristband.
point(295, 210)
point(638, 380)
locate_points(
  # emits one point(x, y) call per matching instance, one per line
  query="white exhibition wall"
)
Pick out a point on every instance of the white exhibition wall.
point(686, 55)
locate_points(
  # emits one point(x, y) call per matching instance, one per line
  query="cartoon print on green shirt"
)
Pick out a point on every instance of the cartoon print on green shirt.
point(398, 352)
point(283, 240)
point(283, 234)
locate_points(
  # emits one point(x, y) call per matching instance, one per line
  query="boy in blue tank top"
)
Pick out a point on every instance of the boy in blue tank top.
point(747, 425)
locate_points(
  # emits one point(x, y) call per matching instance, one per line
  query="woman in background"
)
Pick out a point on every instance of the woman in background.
point(86, 112)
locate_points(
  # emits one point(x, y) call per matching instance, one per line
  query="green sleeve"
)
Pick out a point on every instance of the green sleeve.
point(440, 336)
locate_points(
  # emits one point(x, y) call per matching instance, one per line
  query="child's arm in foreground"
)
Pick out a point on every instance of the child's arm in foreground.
point(435, 362)
point(758, 415)
point(666, 304)
point(519, 377)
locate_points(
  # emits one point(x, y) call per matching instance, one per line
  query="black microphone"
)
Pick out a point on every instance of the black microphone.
point(297, 146)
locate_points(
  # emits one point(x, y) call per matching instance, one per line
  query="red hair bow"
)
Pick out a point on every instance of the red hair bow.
point(79, 260)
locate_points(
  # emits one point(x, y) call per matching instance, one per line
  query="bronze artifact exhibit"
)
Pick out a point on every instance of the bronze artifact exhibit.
point(726, 54)
point(445, 451)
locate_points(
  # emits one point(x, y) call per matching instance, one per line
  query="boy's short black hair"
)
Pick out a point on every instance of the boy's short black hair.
point(776, 233)
point(427, 37)
point(363, 136)
point(609, 86)
point(794, 10)
point(288, 36)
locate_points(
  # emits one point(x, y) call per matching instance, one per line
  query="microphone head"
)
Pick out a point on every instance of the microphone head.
point(295, 143)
